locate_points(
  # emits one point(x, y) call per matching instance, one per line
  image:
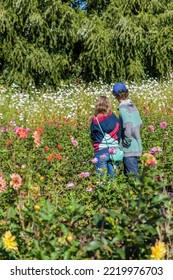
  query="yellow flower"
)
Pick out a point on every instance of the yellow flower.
point(9, 242)
point(36, 207)
point(158, 250)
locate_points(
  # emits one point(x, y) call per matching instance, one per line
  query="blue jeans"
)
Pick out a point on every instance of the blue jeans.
point(104, 165)
point(130, 165)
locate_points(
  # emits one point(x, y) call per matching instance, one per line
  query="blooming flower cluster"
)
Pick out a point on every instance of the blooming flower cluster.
point(5, 129)
point(15, 182)
point(155, 150)
point(163, 124)
point(54, 156)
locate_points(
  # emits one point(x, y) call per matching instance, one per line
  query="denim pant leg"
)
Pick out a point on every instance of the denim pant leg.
point(130, 165)
point(103, 165)
point(110, 169)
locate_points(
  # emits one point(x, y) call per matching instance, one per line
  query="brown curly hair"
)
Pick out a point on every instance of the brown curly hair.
point(103, 106)
point(122, 96)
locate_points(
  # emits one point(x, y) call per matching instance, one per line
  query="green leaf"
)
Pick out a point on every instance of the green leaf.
point(93, 245)
point(160, 198)
point(67, 255)
point(121, 252)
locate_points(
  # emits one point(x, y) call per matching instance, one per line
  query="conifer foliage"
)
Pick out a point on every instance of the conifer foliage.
point(37, 39)
point(45, 41)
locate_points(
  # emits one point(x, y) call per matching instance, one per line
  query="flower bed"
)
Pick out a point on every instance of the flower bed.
point(55, 206)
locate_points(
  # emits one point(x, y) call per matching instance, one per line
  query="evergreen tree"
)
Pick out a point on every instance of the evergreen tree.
point(37, 39)
point(134, 39)
point(97, 6)
point(44, 41)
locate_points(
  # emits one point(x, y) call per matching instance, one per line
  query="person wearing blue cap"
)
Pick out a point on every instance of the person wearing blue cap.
point(130, 122)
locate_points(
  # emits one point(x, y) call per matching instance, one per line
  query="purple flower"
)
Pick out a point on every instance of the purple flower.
point(153, 150)
point(151, 128)
point(163, 124)
point(159, 150)
point(3, 128)
point(11, 123)
point(94, 160)
point(85, 174)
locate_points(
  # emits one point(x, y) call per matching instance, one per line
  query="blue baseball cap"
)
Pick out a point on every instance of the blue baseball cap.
point(119, 88)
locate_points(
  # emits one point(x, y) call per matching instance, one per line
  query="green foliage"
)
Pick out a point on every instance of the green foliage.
point(36, 41)
point(97, 6)
point(47, 41)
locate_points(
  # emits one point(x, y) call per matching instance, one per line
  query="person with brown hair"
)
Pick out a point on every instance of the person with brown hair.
point(105, 129)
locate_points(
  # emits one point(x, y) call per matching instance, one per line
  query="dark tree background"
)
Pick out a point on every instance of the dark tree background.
point(45, 41)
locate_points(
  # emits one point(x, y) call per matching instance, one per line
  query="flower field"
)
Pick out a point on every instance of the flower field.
point(53, 204)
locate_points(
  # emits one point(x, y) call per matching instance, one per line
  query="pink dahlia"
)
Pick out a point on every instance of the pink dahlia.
point(163, 124)
point(16, 181)
point(74, 143)
point(151, 128)
point(85, 174)
point(3, 185)
point(21, 132)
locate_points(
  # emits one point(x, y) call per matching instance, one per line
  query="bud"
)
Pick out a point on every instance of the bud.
point(69, 238)
point(36, 207)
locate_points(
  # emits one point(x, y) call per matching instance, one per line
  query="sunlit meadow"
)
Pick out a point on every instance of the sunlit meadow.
point(54, 205)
